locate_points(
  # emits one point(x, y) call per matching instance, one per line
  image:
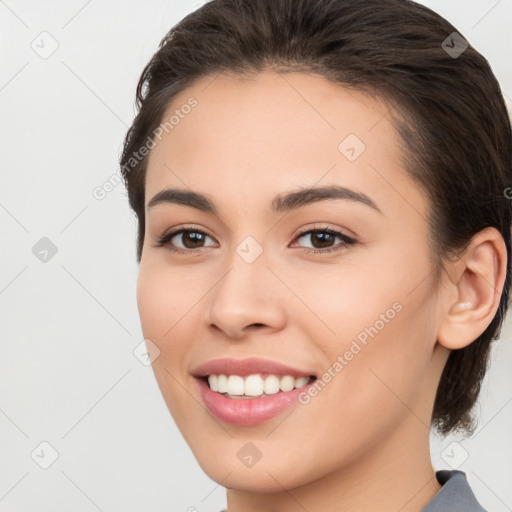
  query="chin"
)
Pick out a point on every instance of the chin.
point(269, 474)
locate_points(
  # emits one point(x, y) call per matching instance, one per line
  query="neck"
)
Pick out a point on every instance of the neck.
point(397, 476)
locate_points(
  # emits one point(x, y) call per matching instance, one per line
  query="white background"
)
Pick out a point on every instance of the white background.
point(69, 326)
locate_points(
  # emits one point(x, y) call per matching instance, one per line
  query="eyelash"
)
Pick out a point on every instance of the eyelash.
point(346, 240)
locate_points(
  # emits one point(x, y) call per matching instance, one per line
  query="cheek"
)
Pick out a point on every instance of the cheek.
point(345, 303)
point(164, 312)
point(380, 343)
point(386, 358)
point(377, 386)
point(162, 299)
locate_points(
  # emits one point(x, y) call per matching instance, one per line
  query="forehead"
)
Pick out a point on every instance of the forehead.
point(253, 136)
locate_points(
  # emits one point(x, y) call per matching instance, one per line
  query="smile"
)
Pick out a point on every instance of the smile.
point(250, 391)
point(256, 385)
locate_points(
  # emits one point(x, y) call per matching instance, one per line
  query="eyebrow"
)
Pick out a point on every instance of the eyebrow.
point(281, 203)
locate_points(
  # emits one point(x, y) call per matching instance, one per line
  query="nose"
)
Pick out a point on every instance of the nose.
point(247, 297)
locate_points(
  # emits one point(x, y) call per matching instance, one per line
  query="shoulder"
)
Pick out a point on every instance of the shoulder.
point(455, 494)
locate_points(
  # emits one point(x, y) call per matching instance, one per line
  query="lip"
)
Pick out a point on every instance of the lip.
point(248, 411)
point(244, 367)
point(251, 411)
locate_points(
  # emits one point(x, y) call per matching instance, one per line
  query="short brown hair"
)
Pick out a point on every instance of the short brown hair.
point(448, 109)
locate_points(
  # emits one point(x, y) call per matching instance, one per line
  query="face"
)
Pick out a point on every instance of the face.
point(330, 295)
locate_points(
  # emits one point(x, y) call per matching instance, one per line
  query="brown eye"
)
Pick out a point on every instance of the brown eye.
point(184, 240)
point(322, 240)
point(190, 239)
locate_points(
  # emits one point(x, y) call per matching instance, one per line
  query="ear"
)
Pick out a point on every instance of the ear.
point(471, 298)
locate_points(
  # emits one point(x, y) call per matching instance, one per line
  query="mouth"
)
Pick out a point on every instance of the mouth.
point(254, 386)
point(250, 391)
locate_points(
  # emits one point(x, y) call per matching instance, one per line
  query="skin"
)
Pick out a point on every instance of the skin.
point(363, 442)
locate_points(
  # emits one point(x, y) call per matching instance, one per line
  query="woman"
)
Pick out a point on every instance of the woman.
point(324, 246)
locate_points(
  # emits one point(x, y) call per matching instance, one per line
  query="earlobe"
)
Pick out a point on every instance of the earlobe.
point(477, 281)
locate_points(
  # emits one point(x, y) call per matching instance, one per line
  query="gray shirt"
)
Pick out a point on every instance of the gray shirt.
point(455, 494)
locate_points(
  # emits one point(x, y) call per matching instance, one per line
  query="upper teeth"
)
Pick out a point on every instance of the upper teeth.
point(254, 385)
